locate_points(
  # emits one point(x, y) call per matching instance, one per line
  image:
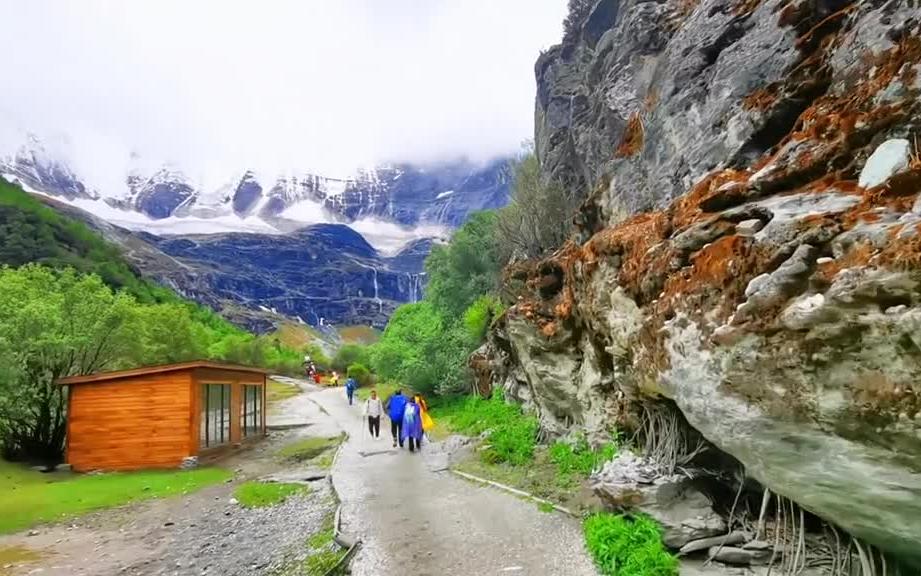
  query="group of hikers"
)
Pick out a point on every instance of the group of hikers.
point(409, 417)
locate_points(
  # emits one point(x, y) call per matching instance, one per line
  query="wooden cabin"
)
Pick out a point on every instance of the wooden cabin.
point(156, 417)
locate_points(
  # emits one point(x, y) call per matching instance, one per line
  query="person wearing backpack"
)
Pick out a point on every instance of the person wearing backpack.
point(396, 405)
point(412, 425)
point(350, 386)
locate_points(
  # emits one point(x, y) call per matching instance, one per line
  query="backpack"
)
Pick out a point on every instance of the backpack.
point(409, 415)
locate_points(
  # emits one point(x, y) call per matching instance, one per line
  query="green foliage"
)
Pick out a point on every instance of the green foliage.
point(479, 316)
point(61, 323)
point(537, 220)
point(28, 498)
point(465, 268)
point(578, 458)
point(624, 547)
point(512, 434)
point(349, 354)
point(361, 374)
point(263, 494)
point(33, 232)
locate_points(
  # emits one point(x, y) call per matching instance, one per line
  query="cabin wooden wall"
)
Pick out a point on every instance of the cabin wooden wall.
point(131, 423)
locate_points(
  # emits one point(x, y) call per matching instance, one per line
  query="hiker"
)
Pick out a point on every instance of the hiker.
point(395, 407)
point(427, 422)
point(335, 378)
point(372, 410)
point(350, 386)
point(316, 376)
point(412, 425)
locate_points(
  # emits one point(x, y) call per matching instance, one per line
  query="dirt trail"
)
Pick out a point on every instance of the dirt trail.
point(415, 517)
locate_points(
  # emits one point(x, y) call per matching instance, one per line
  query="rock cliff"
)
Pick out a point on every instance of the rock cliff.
point(748, 246)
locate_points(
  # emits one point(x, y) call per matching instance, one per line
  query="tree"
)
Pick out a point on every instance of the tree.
point(349, 354)
point(465, 268)
point(538, 218)
point(361, 374)
point(54, 325)
point(578, 12)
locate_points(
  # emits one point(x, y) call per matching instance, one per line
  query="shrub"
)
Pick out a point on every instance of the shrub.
point(624, 547)
point(361, 374)
point(350, 354)
point(579, 458)
point(512, 434)
point(538, 218)
point(479, 316)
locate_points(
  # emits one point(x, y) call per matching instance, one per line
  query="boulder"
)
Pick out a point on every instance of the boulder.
point(633, 484)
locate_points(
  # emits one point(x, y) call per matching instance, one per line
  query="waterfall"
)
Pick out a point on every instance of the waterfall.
point(380, 303)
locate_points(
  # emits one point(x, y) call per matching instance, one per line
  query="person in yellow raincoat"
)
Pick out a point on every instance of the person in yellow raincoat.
point(427, 422)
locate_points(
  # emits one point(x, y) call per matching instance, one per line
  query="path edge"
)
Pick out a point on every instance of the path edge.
point(514, 491)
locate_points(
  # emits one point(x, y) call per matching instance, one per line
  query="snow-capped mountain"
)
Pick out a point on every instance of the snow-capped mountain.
point(404, 200)
point(304, 246)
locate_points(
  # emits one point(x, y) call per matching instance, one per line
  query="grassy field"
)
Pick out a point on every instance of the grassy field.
point(384, 390)
point(279, 391)
point(262, 494)
point(359, 335)
point(28, 498)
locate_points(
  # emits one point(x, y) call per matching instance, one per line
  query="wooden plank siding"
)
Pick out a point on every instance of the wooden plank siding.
point(137, 422)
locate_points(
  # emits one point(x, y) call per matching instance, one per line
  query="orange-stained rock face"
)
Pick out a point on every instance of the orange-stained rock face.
point(731, 261)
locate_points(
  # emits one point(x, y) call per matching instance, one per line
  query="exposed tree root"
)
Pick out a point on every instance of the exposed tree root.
point(666, 438)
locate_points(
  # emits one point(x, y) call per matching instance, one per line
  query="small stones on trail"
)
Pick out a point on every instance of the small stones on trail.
point(233, 501)
point(33, 533)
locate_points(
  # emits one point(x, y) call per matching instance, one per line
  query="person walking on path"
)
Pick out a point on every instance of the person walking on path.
point(396, 405)
point(427, 422)
point(350, 386)
point(412, 425)
point(373, 409)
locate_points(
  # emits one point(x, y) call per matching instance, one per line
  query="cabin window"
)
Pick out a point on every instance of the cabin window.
point(215, 415)
point(251, 415)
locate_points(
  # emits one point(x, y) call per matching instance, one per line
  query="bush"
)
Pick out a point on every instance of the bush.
point(479, 316)
point(350, 354)
point(512, 434)
point(361, 374)
point(537, 220)
point(624, 547)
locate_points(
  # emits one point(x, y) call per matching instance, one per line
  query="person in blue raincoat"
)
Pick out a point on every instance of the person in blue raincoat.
point(412, 425)
point(350, 386)
point(396, 404)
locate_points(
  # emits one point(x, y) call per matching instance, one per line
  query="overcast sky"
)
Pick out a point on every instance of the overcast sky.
point(216, 86)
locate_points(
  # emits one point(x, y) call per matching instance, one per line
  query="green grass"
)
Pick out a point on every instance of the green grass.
point(578, 458)
point(28, 498)
point(309, 448)
point(621, 546)
point(263, 494)
point(279, 391)
point(322, 554)
point(512, 434)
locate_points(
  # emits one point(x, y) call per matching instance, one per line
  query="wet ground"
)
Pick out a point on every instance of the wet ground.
point(416, 518)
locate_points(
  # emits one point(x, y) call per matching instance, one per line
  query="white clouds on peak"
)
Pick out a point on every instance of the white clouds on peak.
point(214, 86)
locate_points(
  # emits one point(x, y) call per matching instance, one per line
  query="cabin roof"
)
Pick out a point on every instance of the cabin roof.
point(159, 369)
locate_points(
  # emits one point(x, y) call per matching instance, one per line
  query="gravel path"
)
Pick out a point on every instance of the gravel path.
point(415, 517)
point(204, 533)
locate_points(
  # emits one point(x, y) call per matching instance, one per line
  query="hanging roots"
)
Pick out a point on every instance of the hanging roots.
point(666, 438)
point(839, 555)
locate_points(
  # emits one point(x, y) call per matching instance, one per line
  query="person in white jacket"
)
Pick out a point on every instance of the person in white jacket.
point(373, 409)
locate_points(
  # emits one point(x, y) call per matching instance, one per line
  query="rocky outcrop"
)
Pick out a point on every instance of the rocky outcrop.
point(750, 244)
